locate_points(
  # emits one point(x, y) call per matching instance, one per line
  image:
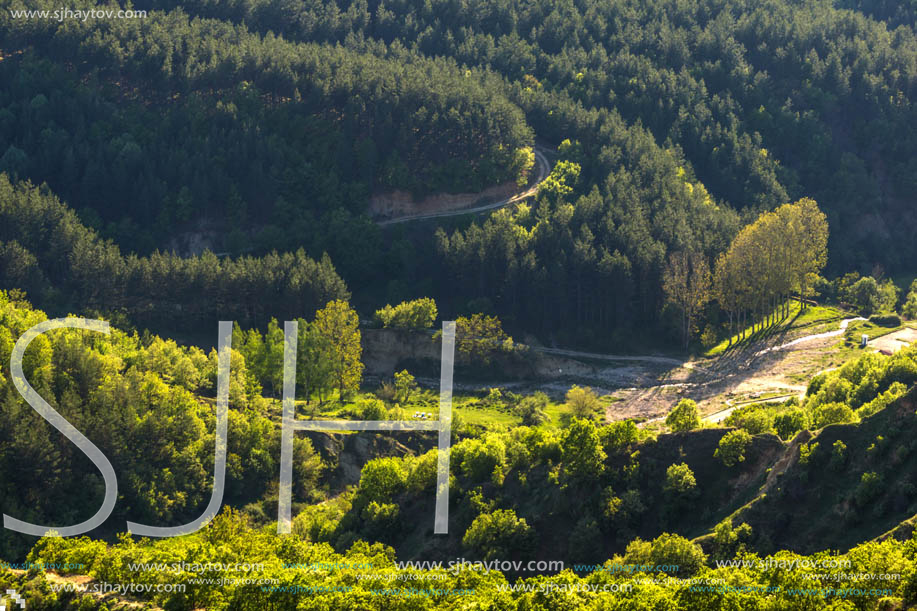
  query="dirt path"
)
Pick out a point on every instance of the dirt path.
point(543, 167)
point(721, 385)
point(663, 360)
point(893, 342)
point(722, 415)
point(806, 338)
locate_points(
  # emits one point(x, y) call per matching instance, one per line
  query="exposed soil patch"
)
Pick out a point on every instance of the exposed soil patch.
point(401, 203)
point(893, 342)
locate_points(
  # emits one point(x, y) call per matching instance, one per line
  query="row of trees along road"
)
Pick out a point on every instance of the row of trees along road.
point(770, 260)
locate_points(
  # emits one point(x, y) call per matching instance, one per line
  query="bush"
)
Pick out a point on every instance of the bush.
point(382, 479)
point(756, 419)
point(500, 534)
point(728, 541)
point(832, 413)
point(910, 306)
point(583, 456)
point(806, 452)
point(532, 409)
point(416, 314)
point(731, 449)
point(838, 455)
point(482, 459)
point(381, 518)
point(372, 409)
point(790, 422)
point(885, 320)
point(679, 480)
point(864, 294)
point(684, 417)
point(708, 337)
point(423, 472)
point(869, 487)
point(896, 390)
point(667, 549)
point(583, 402)
point(386, 392)
point(405, 386)
point(618, 436)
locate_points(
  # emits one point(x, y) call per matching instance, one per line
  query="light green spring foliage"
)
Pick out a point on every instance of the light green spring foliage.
point(864, 386)
point(417, 314)
point(500, 534)
point(582, 401)
point(684, 417)
point(583, 455)
point(293, 561)
point(679, 480)
point(732, 446)
point(148, 404)
point(856, 390)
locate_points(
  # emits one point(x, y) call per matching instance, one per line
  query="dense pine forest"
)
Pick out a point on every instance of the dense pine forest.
point(675, 237)
point(271, 124)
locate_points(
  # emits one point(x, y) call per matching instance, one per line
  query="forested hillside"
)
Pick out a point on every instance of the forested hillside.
point(768, 100)
point(274, 123)
point(202, 125)
point(45, 250)
point(683, 328)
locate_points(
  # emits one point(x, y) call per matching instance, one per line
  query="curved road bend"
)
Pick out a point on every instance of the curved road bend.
point(543, 167)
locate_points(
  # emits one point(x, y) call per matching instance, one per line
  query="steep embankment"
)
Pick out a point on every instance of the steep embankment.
point(849, 484)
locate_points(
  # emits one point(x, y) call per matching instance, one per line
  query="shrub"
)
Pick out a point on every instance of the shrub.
point(500, 534)
point(888, 297)
point(684, 417)
point(727, 541)
point(386, 392)
point(708, 337)
point(885, 320)
point(790, 422)
point(910, 306)
point(832, 413)
point(864, 294)
point(416, 314)
point(382, 479)
point(423, 472)
point(838, 455)
point(583, 455)
point(869, 487)
point(618, 436)
point(731, 449)
point(372, 409)
point(806, 452)
point(756, 419)
point(583, 402)
point(531, 409)
point(382, 518)
point(405, 386)
point(667, 549)
point(894, 391)
point(483, 458)
point(679, 480)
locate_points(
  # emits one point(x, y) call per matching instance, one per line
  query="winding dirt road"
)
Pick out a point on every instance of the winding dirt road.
point(805, 338)
point(543, 167)
point(662, 360)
